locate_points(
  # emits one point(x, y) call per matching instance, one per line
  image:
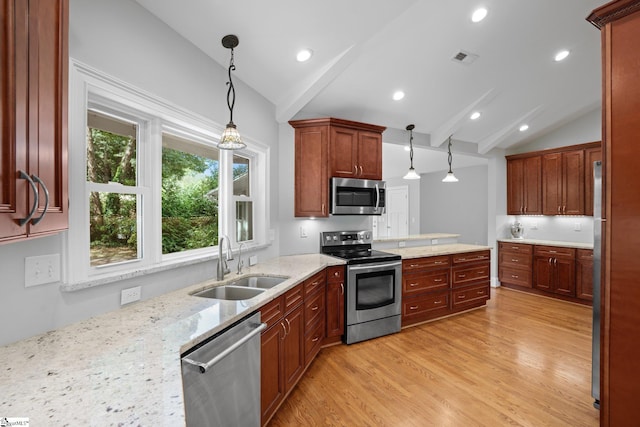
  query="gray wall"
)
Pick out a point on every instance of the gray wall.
point(123, 40)
point(460, 207)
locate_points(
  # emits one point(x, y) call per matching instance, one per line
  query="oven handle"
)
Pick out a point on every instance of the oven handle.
point(374, 266)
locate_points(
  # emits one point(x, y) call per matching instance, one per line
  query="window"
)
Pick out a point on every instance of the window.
point(148, 188)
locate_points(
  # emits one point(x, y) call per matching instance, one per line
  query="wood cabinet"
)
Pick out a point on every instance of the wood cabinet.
point(584, 274)
point(335, 301)
point(620, 316)
point(282, 349)
point(554, 270)
point(437, 286)
point(515, 264)
point(552, 182)
point(524, 186)
point(33, 108)
point(314, 315)
point(563, 183)
point(330, 147)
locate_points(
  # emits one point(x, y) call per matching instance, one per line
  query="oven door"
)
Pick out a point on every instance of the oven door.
point(374, 291)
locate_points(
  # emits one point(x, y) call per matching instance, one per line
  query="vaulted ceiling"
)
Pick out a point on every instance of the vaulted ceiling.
point(365, 50)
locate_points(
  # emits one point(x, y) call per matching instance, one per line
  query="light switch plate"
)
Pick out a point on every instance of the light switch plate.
point(39, 270)
point(253, 260)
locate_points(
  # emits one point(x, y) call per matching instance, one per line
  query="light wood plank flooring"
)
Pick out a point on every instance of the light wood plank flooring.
point(524, 360)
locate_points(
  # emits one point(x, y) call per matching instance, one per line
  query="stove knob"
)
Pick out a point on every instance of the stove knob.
point(335, 238)
point(327, 238)
point(368, 236)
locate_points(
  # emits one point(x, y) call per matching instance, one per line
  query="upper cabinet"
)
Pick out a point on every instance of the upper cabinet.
point(33, 149)
point(523, 186)
point(330, 147)
point(552, 182)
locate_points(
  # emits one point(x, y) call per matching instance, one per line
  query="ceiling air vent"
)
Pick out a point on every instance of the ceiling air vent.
point(464, 57)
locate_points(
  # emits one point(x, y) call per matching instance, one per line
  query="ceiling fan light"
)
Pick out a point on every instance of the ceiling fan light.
point(412, 174)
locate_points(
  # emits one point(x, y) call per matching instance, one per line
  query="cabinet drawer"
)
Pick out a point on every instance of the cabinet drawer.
point(584, 254)
point(426, 262)
point(466, 275)
point(312, 342)
point(516, 247)
point(554, 251)
point(471, 257)
point(292, 298)
point(516, 260)
point(314, 306)
point(413, 283)
point(315, 282)
point(335, 274)
point(432, 303)
point(272, 312)
point(515, 276)
point(473, 295)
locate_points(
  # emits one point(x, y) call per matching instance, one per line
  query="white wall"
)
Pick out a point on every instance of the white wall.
point(460, 207)
point(414, 200)
point(122, 39)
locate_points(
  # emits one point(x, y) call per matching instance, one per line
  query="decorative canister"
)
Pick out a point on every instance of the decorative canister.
point(517, 230)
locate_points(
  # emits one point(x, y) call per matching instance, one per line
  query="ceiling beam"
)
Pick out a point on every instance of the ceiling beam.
point(451, 126)
point(498, 137)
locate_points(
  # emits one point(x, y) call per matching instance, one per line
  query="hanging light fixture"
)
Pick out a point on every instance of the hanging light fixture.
point(412, 172)
point(450, 176)
point(230, 139)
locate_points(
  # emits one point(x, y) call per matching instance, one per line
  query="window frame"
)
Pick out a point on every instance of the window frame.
point(90, 88)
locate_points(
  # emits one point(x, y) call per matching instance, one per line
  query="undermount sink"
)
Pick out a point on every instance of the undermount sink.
point(229, 292)
point(261, 282)
point(243, 288)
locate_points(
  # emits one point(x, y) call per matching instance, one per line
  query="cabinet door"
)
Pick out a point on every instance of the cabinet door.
point(343, 149)
point(565, 280)
point(552, 184)
point(13, 118)
point(532, 185)
point(515, 186)
point(369, 155)
point(543, 273)
point(573, 183)
point(272, 387)
point(584, 275)
point(590, 155)
point(335, 309)
point(311, 173)
point(293, 343)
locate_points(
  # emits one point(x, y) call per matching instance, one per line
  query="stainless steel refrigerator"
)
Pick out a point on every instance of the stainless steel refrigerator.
point(597, 297)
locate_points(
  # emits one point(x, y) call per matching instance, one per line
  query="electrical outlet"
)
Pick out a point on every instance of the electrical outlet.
point(303, 232)
point(253, 260)
point(130, 295)
point(39, 270)
point(534, 225)
point(577, 226)
point(434, 241)
point(402, 244)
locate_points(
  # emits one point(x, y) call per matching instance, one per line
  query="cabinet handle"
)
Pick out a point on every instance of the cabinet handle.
point(315, 339)
point(284, 329)
point(314, 308)
point(413, 284)
point(553, 252)
point(341, 289)
point(413, 307)
point(555, 262)
point(437, 280)
point(515, 248)
point(323, 209)
point(355, 168)
point(480, 292)
point(46, 199)
point(525, 209)
point(514, 260)
point(461, 296)
point(462, 276)
point(564, 209)
point(559, 209)
point(315, 283)
point(24, 175)
point(462, 259)
point(360, 170)
point(550, 261)
point(513, 276)
point(414, 265)
point(439, 262)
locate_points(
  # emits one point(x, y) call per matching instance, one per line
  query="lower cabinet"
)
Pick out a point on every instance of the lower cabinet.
point(437, 286)
point(584, 274)
point(335, 303)
point(554, 270)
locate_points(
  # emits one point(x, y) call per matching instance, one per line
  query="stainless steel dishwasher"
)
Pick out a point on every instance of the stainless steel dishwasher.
point(221, 377)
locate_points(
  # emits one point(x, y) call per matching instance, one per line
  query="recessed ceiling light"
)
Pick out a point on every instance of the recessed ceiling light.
point(475, 115)
point(523, 128)
point(398, 95)
point(479, 14)
point(304, 55)
point(561, 55)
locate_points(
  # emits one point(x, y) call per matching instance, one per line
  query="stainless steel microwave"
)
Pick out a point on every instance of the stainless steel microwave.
point(357, 196)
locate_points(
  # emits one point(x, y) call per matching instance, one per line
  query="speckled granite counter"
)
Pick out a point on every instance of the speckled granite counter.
point(123, 367)
point(435, 250)
point(549, 243)
point(418, 237)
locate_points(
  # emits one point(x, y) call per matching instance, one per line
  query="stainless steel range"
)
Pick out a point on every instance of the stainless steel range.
point(373, 286)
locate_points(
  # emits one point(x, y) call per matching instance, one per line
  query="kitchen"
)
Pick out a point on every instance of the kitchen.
point(105, 44)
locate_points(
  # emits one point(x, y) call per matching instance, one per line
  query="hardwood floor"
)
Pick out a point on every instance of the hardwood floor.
point(524, 360)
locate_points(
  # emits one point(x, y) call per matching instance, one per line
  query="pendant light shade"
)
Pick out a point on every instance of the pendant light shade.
point(412, 174)
point(230, 139)
point(450, 177)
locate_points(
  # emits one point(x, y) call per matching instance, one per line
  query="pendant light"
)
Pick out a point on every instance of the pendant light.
point(412, 172)
point(230, 139)
point(450, 176)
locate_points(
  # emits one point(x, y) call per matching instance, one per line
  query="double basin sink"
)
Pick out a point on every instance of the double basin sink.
point(243, 288)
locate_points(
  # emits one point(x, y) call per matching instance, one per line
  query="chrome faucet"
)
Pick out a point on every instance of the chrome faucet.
point(240, 262)
point(223, 268)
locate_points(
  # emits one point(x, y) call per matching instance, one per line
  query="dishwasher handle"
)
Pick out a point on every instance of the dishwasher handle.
point(206, 365)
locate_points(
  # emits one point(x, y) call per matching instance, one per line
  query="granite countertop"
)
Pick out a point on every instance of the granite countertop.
point(418, 237)
point(123, 367)
point(435, 250)
point(549, 243)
